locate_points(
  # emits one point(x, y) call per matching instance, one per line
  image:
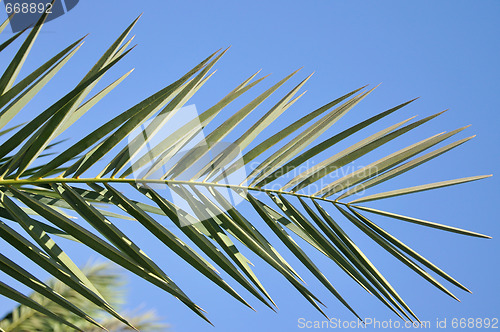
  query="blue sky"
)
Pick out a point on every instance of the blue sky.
point(446, 52)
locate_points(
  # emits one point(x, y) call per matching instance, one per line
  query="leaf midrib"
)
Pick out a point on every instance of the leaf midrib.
point(20, 182)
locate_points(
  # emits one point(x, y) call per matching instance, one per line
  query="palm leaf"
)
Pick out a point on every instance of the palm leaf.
point(12, 71)
point(110, 282)
point(217, 214)
point(420, 188)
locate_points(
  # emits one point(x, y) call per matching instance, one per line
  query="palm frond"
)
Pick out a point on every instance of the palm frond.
point(110, 283)
point(211, 202)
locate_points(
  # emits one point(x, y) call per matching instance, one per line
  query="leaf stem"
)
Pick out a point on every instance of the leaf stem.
point(20, 182)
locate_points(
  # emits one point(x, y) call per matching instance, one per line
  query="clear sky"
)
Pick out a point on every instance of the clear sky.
point(446, 52)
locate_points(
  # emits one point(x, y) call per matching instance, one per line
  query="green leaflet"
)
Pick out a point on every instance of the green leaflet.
point(265, 169)
point(46, 228)
point(14, 67)
point(243, 229)
point(17, 105)
point(144, 138)
point(385, 163)
point(342, 158)
point(297, 229)
point(102, 247)
point(48, 132)
point(168, 238)
point(6, 131)
point(136, 120)
point(292, 245)
point(312, 152)
point(186, 223)
point(45, 242)
point(147, 106)
point(39, 141)
point(332, 245)
point(6, 22)
point(393, 240)
point(37, 256)
point(218, 134)
point(106, 228)
point(364, 264)
point(360, 149)
point(422, 222)
point(163, 148)
point(416, 189)
point(91, 103)
point(112, 53)
point(54, 200)
point(396, 253)
point(214, 212)
point(282, 134)
point(20, 274)
point(294, 214)
point(345, 257)
point(244, 140)
point(30, 78)
point(402, 168)
point(11, 40)
point(207, 219)
point(12, 294)
point(225, 162)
